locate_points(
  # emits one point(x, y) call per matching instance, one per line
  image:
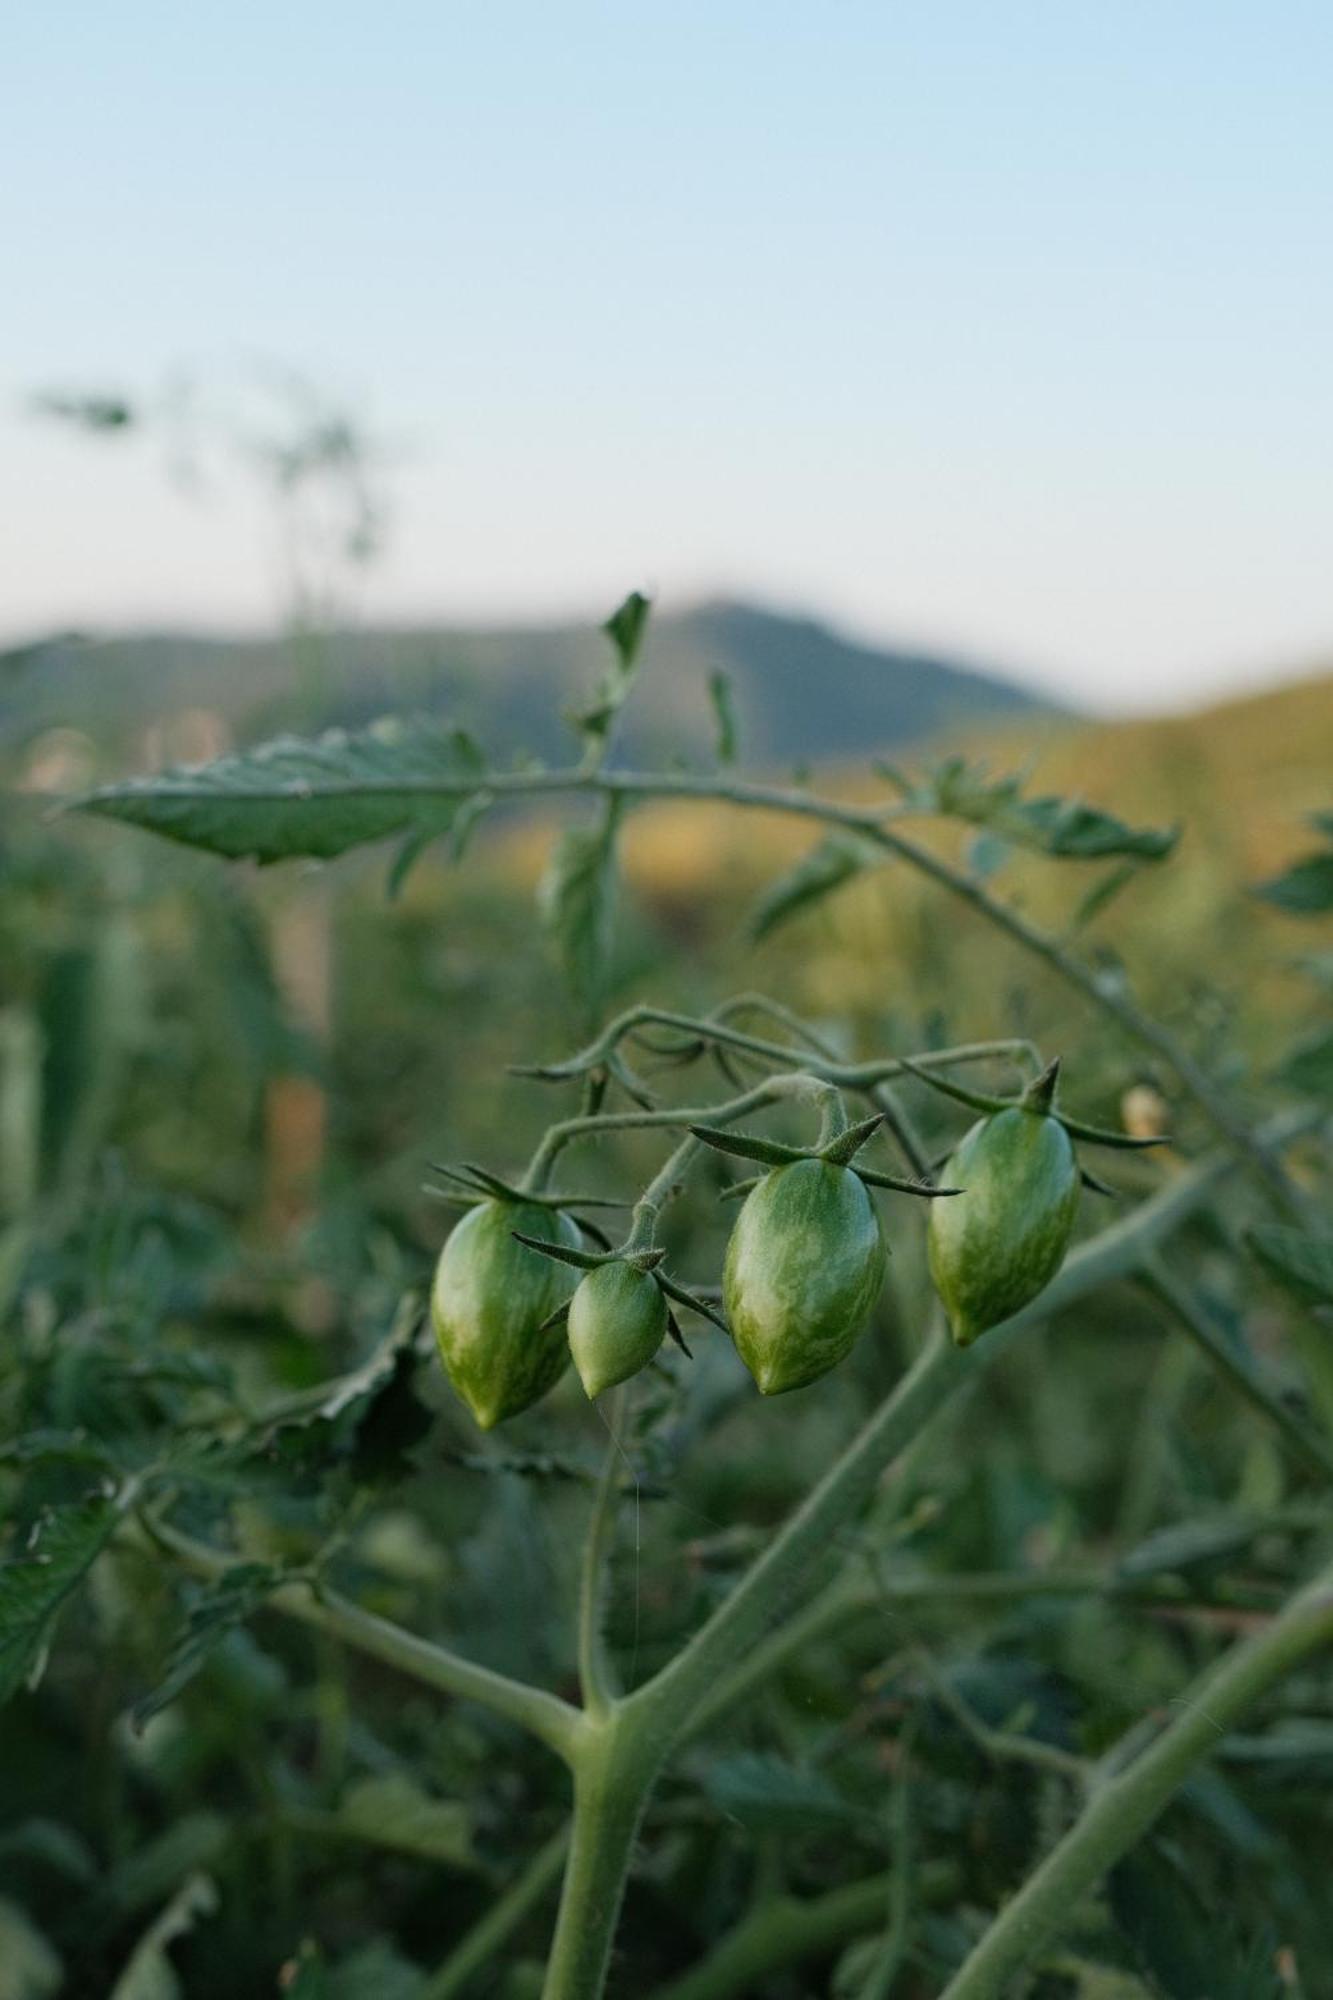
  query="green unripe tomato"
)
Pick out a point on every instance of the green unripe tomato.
point(617, 1322)
point(804, 1266)
point(1001, 1241)
point(488, 1302)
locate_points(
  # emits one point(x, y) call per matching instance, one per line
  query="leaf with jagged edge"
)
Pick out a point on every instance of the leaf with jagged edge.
point(30, 1966)
point(216, 1611)
point(306, 799)
point(1306, 888)
point(577, 902)
point(35, 1586)
point(831, 862)
point(1309, 1065)
point(625, 628)
point(1301, 1261)
point(761, 1790)
point(1187, 1952)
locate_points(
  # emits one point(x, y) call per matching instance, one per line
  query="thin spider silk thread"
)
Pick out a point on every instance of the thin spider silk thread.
point(630, 1468)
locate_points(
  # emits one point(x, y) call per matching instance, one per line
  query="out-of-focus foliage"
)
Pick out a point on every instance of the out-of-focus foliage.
point(218, 1096)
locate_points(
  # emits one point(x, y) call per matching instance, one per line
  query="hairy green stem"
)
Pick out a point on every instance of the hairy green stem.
point(557, 1137)
point(814, 1054)
point(614, 1773)
point(668, 1701)
point(846, 1600)
point(544, 1715)
point(1125, 1807)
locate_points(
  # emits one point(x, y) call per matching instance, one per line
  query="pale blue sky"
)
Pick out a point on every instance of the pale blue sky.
point(1000, 327)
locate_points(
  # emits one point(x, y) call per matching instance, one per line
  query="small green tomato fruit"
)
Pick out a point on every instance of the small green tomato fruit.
point(488, 1302)
point(617, 1322)
point(804, 1266)
point(993, 1247)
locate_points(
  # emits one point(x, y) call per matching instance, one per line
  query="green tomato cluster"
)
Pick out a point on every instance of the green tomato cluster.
point(803, 1269)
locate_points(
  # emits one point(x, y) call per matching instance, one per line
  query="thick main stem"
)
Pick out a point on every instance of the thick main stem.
point(1127, 1806)
point(743, 1619)
point(613, 1776)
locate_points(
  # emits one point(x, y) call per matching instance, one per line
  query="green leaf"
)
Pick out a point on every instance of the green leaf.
point(393, 1811)
point(764, 1791)
point(724, 716)
point(577, 901)
point(1102, 894)
point(190, 1846)
point(1298, 1259)
point(99, 411)
point(1183, 1946)
point(986, 855)
point(835, 860)
point(375, 1969)
point(365, 1422)
point(314, 799)
point(33, 1589)
point(216, 1611)
point(29, 1967)
point(1064, 828)
point(150, 1974)
point(53, 1844)
point(1070, 830)
point(1303, 890)
point(1187, 1545)
point(1309, 1066)
point(625, 629)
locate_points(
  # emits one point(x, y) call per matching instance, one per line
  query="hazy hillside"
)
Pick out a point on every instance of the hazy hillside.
point(801, 692)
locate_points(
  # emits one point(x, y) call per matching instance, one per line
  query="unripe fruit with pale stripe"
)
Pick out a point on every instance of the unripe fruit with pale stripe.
point(488, 1303)
point(804, 1266)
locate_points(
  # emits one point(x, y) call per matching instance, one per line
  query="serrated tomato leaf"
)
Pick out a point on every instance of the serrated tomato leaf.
point(35, 1586)
point(296, 799)
point(831, 862)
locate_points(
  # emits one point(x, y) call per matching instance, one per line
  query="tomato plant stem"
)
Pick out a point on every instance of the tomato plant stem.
point(614, 1772)
point(545, 1715)
point(1125, 1807)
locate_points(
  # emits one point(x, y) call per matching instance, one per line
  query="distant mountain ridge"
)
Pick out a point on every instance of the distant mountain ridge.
point(801, 692)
